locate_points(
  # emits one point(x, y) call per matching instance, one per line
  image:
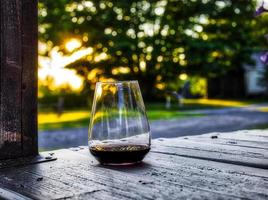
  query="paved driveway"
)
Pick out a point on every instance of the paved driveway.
point(220, 120)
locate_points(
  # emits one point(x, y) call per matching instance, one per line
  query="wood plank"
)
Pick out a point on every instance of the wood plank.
point(229, 142)
point(10, 80)
point(246, 138)
point(29, 160)
point(216, 152)
point(247, 135)
point(29, 77)
point(77, 175)
point(83, 150)
point(10, 195)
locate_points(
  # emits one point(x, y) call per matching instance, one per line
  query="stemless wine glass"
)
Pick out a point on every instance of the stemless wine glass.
point(119, 131)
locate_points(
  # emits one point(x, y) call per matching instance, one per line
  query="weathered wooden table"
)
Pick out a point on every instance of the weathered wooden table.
point(212, 166)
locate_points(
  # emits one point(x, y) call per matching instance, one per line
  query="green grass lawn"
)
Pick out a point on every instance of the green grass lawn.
point(80, 118)
point(48, 120)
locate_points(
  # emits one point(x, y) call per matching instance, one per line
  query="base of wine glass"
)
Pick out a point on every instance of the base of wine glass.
point(112, 154)
point(121, 164)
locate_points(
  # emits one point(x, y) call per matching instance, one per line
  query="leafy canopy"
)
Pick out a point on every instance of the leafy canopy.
point(153, 41)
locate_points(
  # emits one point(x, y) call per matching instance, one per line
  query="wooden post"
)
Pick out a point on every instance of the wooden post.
point(18, 78)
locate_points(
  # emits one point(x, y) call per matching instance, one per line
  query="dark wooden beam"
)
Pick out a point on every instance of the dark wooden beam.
point(29, 77)
point(18, 78)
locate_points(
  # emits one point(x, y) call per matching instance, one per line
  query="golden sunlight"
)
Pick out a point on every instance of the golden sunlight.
point(120, 70)
point(73, 44)
point(160, 86)
point(53, 67)
point(143, 66)
point(183, 76)
point(98, 91)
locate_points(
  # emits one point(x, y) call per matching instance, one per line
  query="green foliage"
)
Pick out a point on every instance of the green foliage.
point(156, 40)
point(71, 100)
point(199, 86)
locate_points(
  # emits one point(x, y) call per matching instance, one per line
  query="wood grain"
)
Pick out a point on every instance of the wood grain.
point(29, 77)
point(162, 175)
point(18, 78)
point(216, 152)
point(11, 195)
point(11, 68)
point(258, 136)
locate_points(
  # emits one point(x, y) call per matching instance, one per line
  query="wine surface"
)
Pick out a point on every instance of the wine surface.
point(119, 154)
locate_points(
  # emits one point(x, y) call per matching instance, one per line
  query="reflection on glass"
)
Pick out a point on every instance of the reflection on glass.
point(119, 131)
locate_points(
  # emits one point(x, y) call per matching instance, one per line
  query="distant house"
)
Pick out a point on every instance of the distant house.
point(239, 83)
point(253, 74)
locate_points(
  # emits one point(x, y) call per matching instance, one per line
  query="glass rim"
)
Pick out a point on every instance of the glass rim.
point(117, 82)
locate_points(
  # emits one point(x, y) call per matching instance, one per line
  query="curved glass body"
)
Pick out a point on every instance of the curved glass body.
point(119, 131)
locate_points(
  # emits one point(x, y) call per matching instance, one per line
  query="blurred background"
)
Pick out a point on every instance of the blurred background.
point(197, 63)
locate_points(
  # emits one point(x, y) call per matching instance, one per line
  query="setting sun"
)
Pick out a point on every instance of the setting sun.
point(53, 66)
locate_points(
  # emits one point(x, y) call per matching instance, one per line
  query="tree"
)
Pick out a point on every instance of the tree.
point(154, 41)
